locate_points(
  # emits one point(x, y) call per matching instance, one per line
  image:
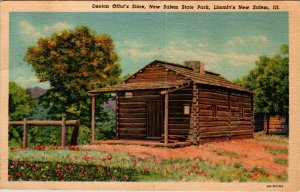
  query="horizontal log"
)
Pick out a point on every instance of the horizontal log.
point(140, 131)
point(179, 126)
point(140, 99)
point(240, 94)
point(238, 104)
point(241, 127)
point(214, 129)
point(175, 96)
point(209, 118)
point(222, 113)
point(212, 101)
point(219, 90)
point(178, 131)
point(215, 134)
point(212, 95)
point(242, 132)
point(132, 115)
point(206, 112)
point(240, 99)
point(213, 123)
point(134, 110)
point(132, 120)
point(140, 92)
point(178, 114)
point(241, 122)
point(179, 121)
point(239, 119)
point(44, 123)
point(132, 105)
point(132, 125)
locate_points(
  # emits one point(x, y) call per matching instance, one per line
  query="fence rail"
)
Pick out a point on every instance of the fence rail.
point(63, 123)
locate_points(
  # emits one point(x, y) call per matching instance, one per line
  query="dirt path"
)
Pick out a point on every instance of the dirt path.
point(249, 152)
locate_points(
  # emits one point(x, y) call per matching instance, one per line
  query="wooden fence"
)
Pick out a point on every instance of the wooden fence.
point(63, 123)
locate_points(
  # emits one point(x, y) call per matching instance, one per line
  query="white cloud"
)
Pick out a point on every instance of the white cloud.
point(133, 44)
point(136, 53)
point(30, 31)
point(57, 27)
point(247, 40)
point(30, 82)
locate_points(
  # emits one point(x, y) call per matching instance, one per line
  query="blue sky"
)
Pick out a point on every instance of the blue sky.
point(228, 43)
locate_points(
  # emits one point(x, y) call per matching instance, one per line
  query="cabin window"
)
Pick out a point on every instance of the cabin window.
point(214, 110)
point(242, 112)
point(186, 109)
point(128, 95)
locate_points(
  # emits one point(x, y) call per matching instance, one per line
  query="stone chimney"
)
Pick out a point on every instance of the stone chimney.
point(197, 66)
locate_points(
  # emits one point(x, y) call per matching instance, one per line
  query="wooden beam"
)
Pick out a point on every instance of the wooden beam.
point(44, 122)
point(25, 138)
point(166, 119)
point(93, 118)
point(63, 132)
point(175, 89)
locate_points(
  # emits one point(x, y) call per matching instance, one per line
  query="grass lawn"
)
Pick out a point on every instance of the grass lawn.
point(223, 164)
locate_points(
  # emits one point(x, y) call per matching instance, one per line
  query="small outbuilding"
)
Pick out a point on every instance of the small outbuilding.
point(170, 103)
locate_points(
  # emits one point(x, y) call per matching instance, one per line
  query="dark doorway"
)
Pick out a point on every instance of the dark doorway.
point(155, 116)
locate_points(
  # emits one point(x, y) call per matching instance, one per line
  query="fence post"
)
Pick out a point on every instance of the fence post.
point(75, 133)
point(25, 138)
point(63, 132)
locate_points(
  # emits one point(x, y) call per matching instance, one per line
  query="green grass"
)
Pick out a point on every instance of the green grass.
point(227, 153)
point(275, 151)
point(150, 169)
point(283, 162)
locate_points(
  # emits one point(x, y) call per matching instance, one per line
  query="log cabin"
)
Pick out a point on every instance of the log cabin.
point(171, 103)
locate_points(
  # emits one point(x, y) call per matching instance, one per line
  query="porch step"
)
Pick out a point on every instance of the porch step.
point(170, 141)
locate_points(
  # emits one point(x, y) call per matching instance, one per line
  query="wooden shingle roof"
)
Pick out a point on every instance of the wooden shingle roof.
point(209, 78)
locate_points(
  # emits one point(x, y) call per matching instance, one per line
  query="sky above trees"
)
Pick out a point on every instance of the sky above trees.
point(228, 43)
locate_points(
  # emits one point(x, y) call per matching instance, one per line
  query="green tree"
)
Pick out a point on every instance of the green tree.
point(20, 102)
point(270, 82)
point(20, 106)
point(74, 62)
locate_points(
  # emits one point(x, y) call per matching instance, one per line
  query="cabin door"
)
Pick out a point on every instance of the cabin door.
point(155, 118)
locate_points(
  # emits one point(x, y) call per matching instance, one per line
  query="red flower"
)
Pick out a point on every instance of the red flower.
point(21, 163)
point(27, 163)
point(97, 166)
point(109, 157)
point(202, 173)
point(125, 177)
point(80, 167)
point(85, 173)
point(32, 169)
point(37, 166)
point(176, 166)
point(146, 169)
point(114, 179)
point(19, 174)
point(103, 159)
point(10, 176)
point(187, 172)
point(108, 173)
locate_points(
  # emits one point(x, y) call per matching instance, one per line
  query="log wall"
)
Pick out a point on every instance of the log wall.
point(132, 113)
point(179, 123)
point(223, 114)
point(277, 125)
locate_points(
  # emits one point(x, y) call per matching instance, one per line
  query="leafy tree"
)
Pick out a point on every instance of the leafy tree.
point(20, 106)
point(270, 82)
point(74, 62)
point(20, 102)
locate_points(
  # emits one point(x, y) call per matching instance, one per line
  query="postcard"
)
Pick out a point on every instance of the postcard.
point(150, 95)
